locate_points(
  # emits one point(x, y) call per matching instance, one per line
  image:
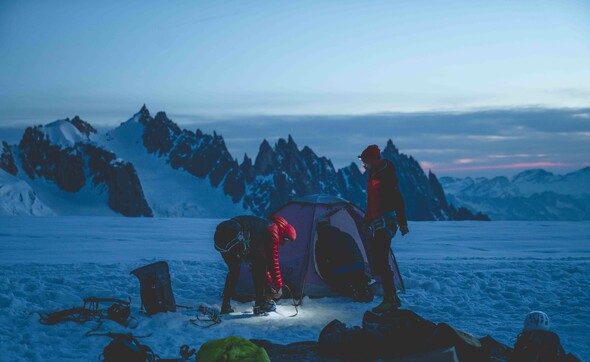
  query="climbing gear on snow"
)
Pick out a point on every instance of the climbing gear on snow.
point(155, 288)
point(208, 315)
point(119, 312)
point(295, 303)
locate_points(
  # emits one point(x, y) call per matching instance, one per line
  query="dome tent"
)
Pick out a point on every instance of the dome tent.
point(299, 267)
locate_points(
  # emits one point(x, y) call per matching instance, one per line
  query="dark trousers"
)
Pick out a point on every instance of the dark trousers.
point(380, 246)
point(234, 263)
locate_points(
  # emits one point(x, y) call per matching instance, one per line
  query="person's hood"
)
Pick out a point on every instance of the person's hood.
point(285, 229)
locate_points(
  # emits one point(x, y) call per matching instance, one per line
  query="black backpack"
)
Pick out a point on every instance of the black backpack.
point(235, 239)
point(125, 348)
point(155, 288)
point(538, 346)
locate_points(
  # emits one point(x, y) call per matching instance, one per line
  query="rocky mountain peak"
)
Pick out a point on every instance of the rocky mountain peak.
point(7, 162)
point(390, 148)
point(265, 160)
point(143, 116)
point(247, 168)
point(535, 175)
point(83, 127)
point(278, 174)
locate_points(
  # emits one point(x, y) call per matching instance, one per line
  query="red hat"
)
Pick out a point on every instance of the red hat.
point(371, 153)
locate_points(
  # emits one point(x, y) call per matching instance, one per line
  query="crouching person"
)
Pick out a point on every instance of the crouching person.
point(256, 241)
point(537, 343)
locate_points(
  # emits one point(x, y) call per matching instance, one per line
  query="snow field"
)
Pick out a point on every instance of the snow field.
point(479, 277)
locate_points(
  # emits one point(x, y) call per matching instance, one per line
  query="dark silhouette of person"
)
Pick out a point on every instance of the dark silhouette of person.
point(537, 343)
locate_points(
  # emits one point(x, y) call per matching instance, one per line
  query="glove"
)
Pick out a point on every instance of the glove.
point(276, 294)
point(366, 223)
point(404, 229)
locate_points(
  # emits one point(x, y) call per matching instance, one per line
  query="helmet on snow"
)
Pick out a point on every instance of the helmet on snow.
point(536, 321)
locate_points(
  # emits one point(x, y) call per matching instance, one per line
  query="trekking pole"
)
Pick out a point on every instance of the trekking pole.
point(397, 269)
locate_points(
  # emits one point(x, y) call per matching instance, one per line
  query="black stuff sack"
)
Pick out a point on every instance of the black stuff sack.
point(352, 344)
point(125, 348)
point(155, 288)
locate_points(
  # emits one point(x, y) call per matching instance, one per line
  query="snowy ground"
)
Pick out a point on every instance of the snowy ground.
point(480, 277)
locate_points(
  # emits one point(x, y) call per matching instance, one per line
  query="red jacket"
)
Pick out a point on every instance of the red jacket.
point(279, 229)
point(383, 193)
point(265, 239)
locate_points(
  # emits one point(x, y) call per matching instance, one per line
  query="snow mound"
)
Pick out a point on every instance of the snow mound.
point(17, 198)
point(63, 133)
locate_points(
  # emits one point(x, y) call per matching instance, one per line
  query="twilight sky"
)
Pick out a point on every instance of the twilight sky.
point(267, 69)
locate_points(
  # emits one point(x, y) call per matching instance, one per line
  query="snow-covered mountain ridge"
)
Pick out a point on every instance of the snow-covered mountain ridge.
point(73, 175)
point(178, 172)
point(529, 195)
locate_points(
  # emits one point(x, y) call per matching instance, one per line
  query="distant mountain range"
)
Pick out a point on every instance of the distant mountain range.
point(530, 195)
point(149, 166)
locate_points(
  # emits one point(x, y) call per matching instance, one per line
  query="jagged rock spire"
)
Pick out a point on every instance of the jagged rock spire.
point(390, 148)
point(265, 158)
point(83, 127)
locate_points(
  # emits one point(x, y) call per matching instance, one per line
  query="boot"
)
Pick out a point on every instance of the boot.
point(269, 306)
point(226, 307)
point(390, 303)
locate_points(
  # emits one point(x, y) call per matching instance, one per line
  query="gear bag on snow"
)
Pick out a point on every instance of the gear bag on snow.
point(155, 288)
point(398, 333)
point(231, 348)
point(206, 316)
point(126, 348)
point(337, 340)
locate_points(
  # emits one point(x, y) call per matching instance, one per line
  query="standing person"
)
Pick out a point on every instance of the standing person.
point(385, 212)
point(256, 241)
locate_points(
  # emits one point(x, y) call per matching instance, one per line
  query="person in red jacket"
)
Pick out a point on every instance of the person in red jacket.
point(256, 241)
point(386, 212)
